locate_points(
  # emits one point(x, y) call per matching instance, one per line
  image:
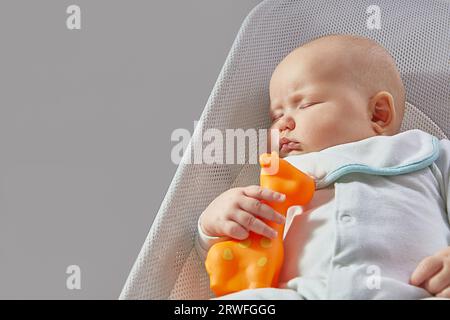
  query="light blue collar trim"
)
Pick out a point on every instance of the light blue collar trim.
point(380, 155)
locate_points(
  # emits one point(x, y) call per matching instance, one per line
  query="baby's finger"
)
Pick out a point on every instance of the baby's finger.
point(234, 230)
point(251, 223)
point(444, 293)
point(425, 270)
point(261, 193)
point(260, 209)
point(439, 281)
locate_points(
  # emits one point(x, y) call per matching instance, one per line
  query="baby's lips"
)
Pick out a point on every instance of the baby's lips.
point(293, 144)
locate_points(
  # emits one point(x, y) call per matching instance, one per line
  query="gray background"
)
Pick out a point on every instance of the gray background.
point(86, 119)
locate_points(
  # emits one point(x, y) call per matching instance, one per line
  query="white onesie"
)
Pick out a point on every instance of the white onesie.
point(381, 206)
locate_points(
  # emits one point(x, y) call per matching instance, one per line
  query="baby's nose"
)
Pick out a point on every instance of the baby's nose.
point(287, 123)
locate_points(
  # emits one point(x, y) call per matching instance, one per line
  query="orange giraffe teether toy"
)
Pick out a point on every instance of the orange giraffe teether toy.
point(256, 261)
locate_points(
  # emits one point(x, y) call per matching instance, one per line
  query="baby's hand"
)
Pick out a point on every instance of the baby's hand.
point(433, 274)
point(235, 212)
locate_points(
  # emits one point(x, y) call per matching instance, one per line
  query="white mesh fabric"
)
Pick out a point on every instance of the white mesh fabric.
point(415, 118)
point(415, 32)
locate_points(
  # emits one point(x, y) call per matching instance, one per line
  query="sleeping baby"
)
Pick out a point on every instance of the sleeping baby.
point(378, 224)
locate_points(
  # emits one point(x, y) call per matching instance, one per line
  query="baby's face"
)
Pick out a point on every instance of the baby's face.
point(314, 104)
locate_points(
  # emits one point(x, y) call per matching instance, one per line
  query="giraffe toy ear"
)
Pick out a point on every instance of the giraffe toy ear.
point(269, 163)
point(264, 160)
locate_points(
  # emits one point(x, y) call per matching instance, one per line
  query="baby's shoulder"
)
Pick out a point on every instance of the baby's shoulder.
point(444, 147)
point(443, 160)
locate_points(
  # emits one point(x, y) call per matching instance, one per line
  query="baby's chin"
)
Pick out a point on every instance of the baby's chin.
point(291, 153)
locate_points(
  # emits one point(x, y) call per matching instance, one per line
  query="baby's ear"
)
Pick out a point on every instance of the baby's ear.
point(382, 112)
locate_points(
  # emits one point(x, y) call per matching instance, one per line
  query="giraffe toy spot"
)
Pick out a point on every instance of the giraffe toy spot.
point(227, 254)
point(265, 243)
point(261, 262)
point(245, 244)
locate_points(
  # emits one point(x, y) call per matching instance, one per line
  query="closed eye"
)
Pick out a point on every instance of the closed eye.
point(301, 106)
point(276, 118)
point(306, 105)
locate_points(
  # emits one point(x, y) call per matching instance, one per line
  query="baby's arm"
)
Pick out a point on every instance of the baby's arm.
point(433, 272)
point(204, 242)
point(443, 164)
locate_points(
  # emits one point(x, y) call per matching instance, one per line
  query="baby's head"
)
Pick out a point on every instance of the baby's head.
point(334, 90)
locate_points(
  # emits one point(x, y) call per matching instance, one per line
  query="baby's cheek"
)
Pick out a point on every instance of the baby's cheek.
point(323, 133)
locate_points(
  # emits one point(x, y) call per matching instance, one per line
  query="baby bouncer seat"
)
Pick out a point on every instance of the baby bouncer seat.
point(415, 32)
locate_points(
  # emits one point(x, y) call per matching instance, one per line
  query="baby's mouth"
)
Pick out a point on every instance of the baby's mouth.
point(287, 145)
point(291, 146)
